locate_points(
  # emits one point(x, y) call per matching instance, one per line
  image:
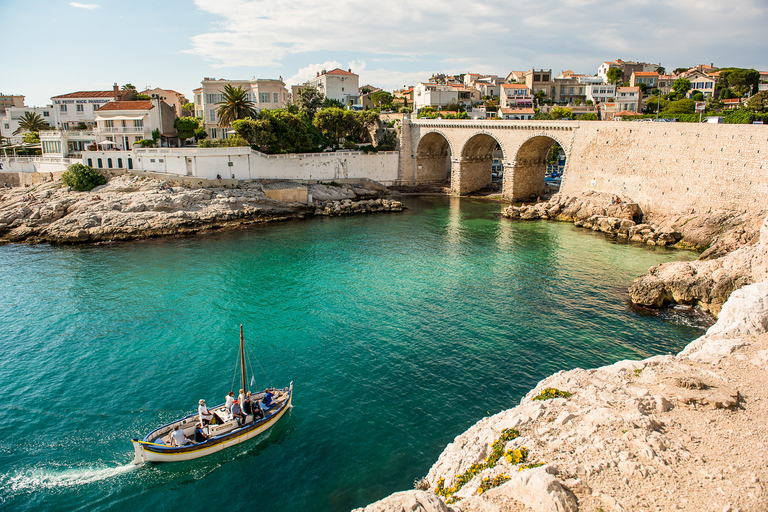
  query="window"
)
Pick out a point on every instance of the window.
point(213, 133)
point(138, 123)
point(79, 107)
point(109, 123)
point(90, 162)
point(275, 97)
point(109, 163)
point(62, 108)
point(119, 163)
point(95, 106)
point(46, 113)
point(99, 162)
point(7, 126)
point(263, 97)
point(212, 115)
point(130, 163)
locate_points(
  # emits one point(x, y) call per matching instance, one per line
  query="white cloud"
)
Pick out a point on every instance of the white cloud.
point(84, 6)
point(495, 35)
point(311, 71)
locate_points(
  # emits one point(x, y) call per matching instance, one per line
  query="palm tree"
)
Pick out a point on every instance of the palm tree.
point(129, 87)
point(235, 105)
point(31, 122)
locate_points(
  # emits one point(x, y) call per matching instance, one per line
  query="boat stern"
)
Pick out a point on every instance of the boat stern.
point(138, 452)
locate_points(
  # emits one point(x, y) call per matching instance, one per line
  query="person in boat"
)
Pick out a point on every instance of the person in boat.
point(268, 395)
point(241, 398)
point(237, 413)
point(205, 415)
point(250, 408)
point(199, 434)
point(230, 399)
point(178, 438)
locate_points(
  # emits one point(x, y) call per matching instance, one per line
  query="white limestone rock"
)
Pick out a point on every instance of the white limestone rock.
point(407, 501)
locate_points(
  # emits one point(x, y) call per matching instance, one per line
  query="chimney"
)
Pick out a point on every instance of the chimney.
point(116, 91)
point(349, 70)
point(318, 73)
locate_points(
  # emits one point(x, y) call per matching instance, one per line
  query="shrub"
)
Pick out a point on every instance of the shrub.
point(589, 116)
point(82, 177)
point(549, 393)
point(145, 143)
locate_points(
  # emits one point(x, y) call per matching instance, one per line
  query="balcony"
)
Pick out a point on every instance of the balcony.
point(122, 129)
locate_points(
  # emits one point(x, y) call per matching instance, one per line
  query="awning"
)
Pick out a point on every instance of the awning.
point(120, 118)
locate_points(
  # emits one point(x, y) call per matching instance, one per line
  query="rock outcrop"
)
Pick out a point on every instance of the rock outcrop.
point(349, 207)
point(132, 207)
point(706, 283)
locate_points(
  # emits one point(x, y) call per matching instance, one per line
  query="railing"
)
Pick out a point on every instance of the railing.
point(122, 129)
point(68, 133)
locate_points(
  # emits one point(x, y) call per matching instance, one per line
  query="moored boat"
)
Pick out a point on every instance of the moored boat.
point(222, 432)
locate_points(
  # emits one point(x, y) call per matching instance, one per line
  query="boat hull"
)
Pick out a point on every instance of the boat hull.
point(149, 452)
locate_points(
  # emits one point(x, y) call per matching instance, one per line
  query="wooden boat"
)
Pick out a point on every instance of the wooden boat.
point(156, 446)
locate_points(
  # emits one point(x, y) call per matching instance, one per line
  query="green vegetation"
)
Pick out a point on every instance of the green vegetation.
point(235, 105)
point(231, 142)
point(615, 75)
point(82, 177)
point(31, 138)
point(186, 127)
point(740, 80)
point(310, 101)
point(681, 86)
point(589, 116)
point(549, 393)
point(487, 483)
point(561, 113)
point(31, 122)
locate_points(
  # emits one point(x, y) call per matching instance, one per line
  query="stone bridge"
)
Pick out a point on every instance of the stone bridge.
point(670, 167)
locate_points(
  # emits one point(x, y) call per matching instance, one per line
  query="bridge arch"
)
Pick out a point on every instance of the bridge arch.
point(433, 157)
point(530, 165)
point(476, 163)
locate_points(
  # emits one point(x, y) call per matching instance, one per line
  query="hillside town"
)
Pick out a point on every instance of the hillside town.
point(124, 117)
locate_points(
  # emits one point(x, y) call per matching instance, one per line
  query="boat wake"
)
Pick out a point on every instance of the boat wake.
point(42, 478)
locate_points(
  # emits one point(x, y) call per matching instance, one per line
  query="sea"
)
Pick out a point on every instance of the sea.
point(399, 331)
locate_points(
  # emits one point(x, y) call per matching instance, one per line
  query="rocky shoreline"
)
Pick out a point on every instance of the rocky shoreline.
point(132, 207)
point(685, 432)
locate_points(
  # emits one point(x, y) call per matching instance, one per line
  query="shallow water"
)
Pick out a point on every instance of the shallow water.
point(399, 331)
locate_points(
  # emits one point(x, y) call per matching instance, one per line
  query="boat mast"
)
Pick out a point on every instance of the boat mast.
point(242, 360)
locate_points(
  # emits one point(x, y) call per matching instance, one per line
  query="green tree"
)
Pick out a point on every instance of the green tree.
point(31, 138)
point(156, 136)
point(681, 86)
point(589, 116)
point(561, 112)
point(365, 122)
point(332, 103)
point(234, 105)
point(677, 71)
point(186, 127)
point(382, 99)
point(142, 97)
point(758, 102)
point(615, 75)
point(31, 122)
point(188, 110)
point(280, 131)
point(201, 134)
point(661, 70)
point(310, 101)
point(741, 80)
point(82, 177)
point(683, 106)
point(335, 123)
point(697, 96)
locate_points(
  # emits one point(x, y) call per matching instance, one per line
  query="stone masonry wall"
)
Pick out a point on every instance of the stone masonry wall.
point(672, 167)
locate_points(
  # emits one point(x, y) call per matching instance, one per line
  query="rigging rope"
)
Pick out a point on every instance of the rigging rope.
point(262, 369)
point(234, 374)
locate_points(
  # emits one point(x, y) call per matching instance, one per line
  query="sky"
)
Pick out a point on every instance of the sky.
point(53, 47)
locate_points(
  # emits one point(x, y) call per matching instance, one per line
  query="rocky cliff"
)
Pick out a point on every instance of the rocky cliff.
point(132, 207)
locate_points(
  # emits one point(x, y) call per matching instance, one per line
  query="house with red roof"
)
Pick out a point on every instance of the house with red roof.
point(77, 110)
point(515, 95)
point(337, 84)
point(121, 124)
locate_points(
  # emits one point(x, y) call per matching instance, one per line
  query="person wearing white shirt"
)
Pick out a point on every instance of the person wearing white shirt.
point(230, 399)
point(205, 415)
point(241, 399)
point(178, 438)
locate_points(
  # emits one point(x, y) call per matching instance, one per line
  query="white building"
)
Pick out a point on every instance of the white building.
point(10, 122)
point(77, 110)
point(171, 97)
point(337, 84)
point(600, 93)
point(628, 99)
point(121, 124)
point(264, 93)
point(433, 95)
point(515, 95)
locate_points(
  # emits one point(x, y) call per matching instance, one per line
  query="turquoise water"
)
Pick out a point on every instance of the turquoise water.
point(399, 330)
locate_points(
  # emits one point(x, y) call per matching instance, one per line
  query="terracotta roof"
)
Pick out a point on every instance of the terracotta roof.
point(514, 86)
point(338, 71)
point(645, 73)
point(517, 110)
point(627, 89)
point(88, 94)
point(127, 105)
point(627, 113)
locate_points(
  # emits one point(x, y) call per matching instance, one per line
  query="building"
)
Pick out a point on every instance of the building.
point(264, 93)
point(171, 97)
point(121, 124)
point(627, 68)
point(700, 82)
point(433, 95)
point(515, 77)
point(568, 89)
point(77, 110)
point(9, 123)
point(10, 100)
point(338, 85)
point(600, 93)
point(405, 93)
point(466, 95)
point(649, 78)
point(516, 113)
point(540, 81)
point(515, 96)
point(629, 99)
